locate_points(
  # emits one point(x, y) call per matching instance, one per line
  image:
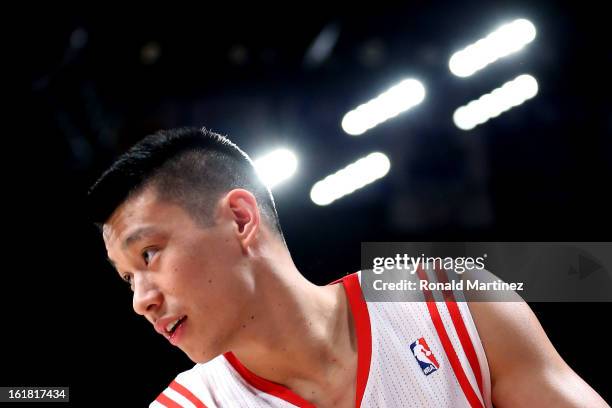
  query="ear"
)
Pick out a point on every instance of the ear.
point(245, 215)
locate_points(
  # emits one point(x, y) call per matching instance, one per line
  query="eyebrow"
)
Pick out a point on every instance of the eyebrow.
point(133, 238)
point(137, 235)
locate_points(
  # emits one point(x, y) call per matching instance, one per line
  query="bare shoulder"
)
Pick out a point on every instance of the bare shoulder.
point(526, 369)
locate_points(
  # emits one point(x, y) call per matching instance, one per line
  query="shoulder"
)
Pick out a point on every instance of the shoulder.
point(509, 328)
point(525, 367)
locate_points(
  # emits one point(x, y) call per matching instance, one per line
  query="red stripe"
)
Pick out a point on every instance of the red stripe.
point(464, 383)
point(267, 386)
point(164, 400)
point(187, 394)
point(464, 337)
point(364, 333)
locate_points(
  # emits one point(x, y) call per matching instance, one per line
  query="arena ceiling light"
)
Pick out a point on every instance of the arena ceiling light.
point(491, 105)
point(276, 166)
point(506, 40)
point(353, 177)
point(385, 106)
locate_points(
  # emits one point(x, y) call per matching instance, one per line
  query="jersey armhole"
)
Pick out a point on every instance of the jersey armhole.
point(468, 320)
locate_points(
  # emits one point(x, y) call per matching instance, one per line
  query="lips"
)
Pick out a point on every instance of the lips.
point(168, 326)
point(171, 326)
point(177, 332)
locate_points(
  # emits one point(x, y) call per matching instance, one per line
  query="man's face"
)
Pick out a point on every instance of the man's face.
point(181, 270)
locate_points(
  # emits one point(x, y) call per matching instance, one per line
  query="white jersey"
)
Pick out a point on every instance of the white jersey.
point(410, 354)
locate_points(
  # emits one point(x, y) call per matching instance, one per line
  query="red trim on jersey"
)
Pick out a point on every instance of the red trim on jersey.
point(466, 387)
point(361, 318)
point(187, 394)
point(167, 402)
point(267, 386)
point(464, 337)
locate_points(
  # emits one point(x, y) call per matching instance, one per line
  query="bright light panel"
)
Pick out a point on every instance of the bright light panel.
point(491, 105)
point(353, 177)
point(504, 41)
point(276, 167)
point(385, 106)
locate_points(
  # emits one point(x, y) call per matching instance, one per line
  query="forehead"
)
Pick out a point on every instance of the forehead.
point(142, 209)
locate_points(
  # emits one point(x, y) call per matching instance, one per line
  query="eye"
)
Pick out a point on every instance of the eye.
point(148, 254)
point(127, 278)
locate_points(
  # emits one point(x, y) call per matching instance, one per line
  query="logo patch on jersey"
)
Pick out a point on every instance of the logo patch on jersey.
point(424, 356)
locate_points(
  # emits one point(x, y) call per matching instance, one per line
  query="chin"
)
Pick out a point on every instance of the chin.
point(199, 357)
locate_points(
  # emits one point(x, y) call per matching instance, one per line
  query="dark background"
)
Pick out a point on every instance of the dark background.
point(103, 79)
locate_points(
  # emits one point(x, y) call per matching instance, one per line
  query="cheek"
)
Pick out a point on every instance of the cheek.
point(194, 270)
point(216, 256)
point(188, 271)
point(215, 268)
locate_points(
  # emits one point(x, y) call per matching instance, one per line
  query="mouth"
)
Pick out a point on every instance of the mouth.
point(171, 328)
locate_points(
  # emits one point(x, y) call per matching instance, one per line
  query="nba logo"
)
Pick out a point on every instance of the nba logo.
point(427, 361)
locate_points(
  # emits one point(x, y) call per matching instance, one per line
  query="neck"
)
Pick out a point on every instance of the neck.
point(301, 335)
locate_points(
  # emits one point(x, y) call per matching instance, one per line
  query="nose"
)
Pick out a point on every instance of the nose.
point(147, 297)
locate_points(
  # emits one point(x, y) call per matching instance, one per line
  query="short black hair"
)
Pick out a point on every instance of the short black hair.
point(188, 166)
